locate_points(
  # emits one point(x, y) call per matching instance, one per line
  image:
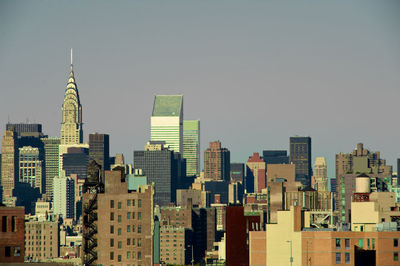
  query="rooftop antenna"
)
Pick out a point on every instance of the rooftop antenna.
point(71, 58)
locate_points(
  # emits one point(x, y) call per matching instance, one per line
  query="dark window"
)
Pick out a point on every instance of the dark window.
point(347, 243)
point(111, 242)
point(4, 224)
point(396, 256)
point(14, 224)
point(119, 218)
point(111, 229)
point(8, 252)
point(337, 243)
point(395, 242)
point(111, 203)
point(119, 258)
point(119, 205)
point(111, 255)
point(111, 216)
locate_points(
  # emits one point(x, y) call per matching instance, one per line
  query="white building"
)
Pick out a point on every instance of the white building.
point(63, 196)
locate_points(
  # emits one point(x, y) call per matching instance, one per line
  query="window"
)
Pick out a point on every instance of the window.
point(111, 255)
point(111, 216)
point(119, 218)
point(8, 252)
point(373, 243)
point(119, 231)
point(368, 244)
point(119, 258)
point(139, 203)
point(139, 216)
point(338, 258)
point(139, 229)
point(14, 224)
point(111, 203)
point(128, 254)
point(128, 216)
point(139, 242)
point(119, 205)
point(111, 242)
point(395, 242)
point(128, 202)
point(128, 241)
point(4, 224)
point(139, 255)
point(396, 256)
point(133, 202)
point(119, 244)
point(360, 243)
point(347, 243)
point(128, 228)
point(337, 243)
point(111, 229)
point(347, 258)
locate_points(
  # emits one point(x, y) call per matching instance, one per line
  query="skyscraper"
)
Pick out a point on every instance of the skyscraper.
point(275, 156)
point(300, 155)
point(217, 162)
point(167, 121)
point(255, 174)
point(9, 168)
point(76, 161)
point(191, 146)
point(51, 163)
point(237, 172)
point(163, 167)
point(71, 125)
point(99, 149)
point(64, 196)
point(30, 167)
point(320, 174)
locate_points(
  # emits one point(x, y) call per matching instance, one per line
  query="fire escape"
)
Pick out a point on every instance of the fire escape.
point(92, 187)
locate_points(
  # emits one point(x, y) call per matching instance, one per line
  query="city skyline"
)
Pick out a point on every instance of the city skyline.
point(361, 73)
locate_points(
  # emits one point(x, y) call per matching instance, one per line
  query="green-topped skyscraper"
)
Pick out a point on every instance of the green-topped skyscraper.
point(167, 121)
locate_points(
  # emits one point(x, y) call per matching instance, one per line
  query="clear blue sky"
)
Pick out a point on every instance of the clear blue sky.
point(254, 72)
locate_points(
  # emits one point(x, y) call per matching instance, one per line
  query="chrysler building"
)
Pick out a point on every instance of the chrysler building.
point(71, 126)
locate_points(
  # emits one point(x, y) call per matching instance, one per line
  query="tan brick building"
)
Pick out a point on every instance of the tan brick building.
point(126, 221)
point(41, 240)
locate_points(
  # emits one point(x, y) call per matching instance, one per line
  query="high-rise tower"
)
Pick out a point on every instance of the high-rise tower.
point(191, 146)
point(71, 126)
point(167, 121)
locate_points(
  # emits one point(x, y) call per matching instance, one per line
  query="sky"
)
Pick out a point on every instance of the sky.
point(253, 72)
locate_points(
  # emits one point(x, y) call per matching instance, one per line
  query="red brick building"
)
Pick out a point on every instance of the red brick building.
point(12, 234)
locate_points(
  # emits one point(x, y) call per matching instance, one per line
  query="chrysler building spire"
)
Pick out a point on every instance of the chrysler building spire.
point(71, 125)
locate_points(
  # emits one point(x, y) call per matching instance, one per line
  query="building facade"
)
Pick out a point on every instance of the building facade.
point(9, 167)
point(255, 174)
point(300, 155)
point(320, 174)
point(217, 162)
point(50, 163)
point(99, 149)
point(191, 146)
point(126, 229)
point(167, 121)
point(64, 196)
point(12, 235)
point(163, 167)
point(275, 156)
point(41, 240)
point(30, 168)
